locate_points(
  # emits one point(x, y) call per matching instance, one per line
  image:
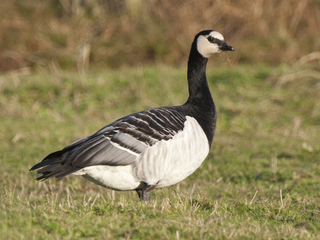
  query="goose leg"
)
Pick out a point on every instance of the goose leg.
point(139, 191)
point(144, 193)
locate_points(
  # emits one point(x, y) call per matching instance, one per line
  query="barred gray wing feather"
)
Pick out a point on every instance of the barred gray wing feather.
point(117, 144)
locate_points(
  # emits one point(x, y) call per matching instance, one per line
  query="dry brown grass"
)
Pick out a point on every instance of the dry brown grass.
point(34, 32)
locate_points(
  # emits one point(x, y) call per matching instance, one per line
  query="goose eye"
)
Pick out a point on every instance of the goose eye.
point(210, 39)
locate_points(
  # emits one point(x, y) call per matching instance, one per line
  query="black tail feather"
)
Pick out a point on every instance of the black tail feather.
point(53, 166)
point(56, 170)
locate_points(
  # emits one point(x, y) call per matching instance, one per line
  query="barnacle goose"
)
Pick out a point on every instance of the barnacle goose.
point(150, 149)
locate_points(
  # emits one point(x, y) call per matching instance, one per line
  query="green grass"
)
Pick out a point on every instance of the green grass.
point(260, 180)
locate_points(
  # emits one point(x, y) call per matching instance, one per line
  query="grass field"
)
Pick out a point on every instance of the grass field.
point(261, 179)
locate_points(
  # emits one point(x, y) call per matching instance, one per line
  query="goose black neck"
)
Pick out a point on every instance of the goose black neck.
point(199, 93)
point(200, 104)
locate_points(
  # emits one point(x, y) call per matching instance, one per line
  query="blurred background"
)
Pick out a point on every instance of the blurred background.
point(73, 34)
point(69, 67)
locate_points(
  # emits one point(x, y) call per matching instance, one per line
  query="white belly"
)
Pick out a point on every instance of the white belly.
point(114, 177)
point(169, 162)
point(165, 163)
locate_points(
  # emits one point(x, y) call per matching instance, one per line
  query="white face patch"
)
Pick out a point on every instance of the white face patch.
point(206, 48)
point(217, 35)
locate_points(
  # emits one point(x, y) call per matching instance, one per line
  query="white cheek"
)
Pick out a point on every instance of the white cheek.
point(205, 48)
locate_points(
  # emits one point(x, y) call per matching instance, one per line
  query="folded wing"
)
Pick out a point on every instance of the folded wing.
point(117, 144)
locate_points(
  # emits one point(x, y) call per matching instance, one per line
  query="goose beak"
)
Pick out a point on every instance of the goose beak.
point(226, 47)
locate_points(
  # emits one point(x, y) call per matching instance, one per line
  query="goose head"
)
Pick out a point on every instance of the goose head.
point(209, 42)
